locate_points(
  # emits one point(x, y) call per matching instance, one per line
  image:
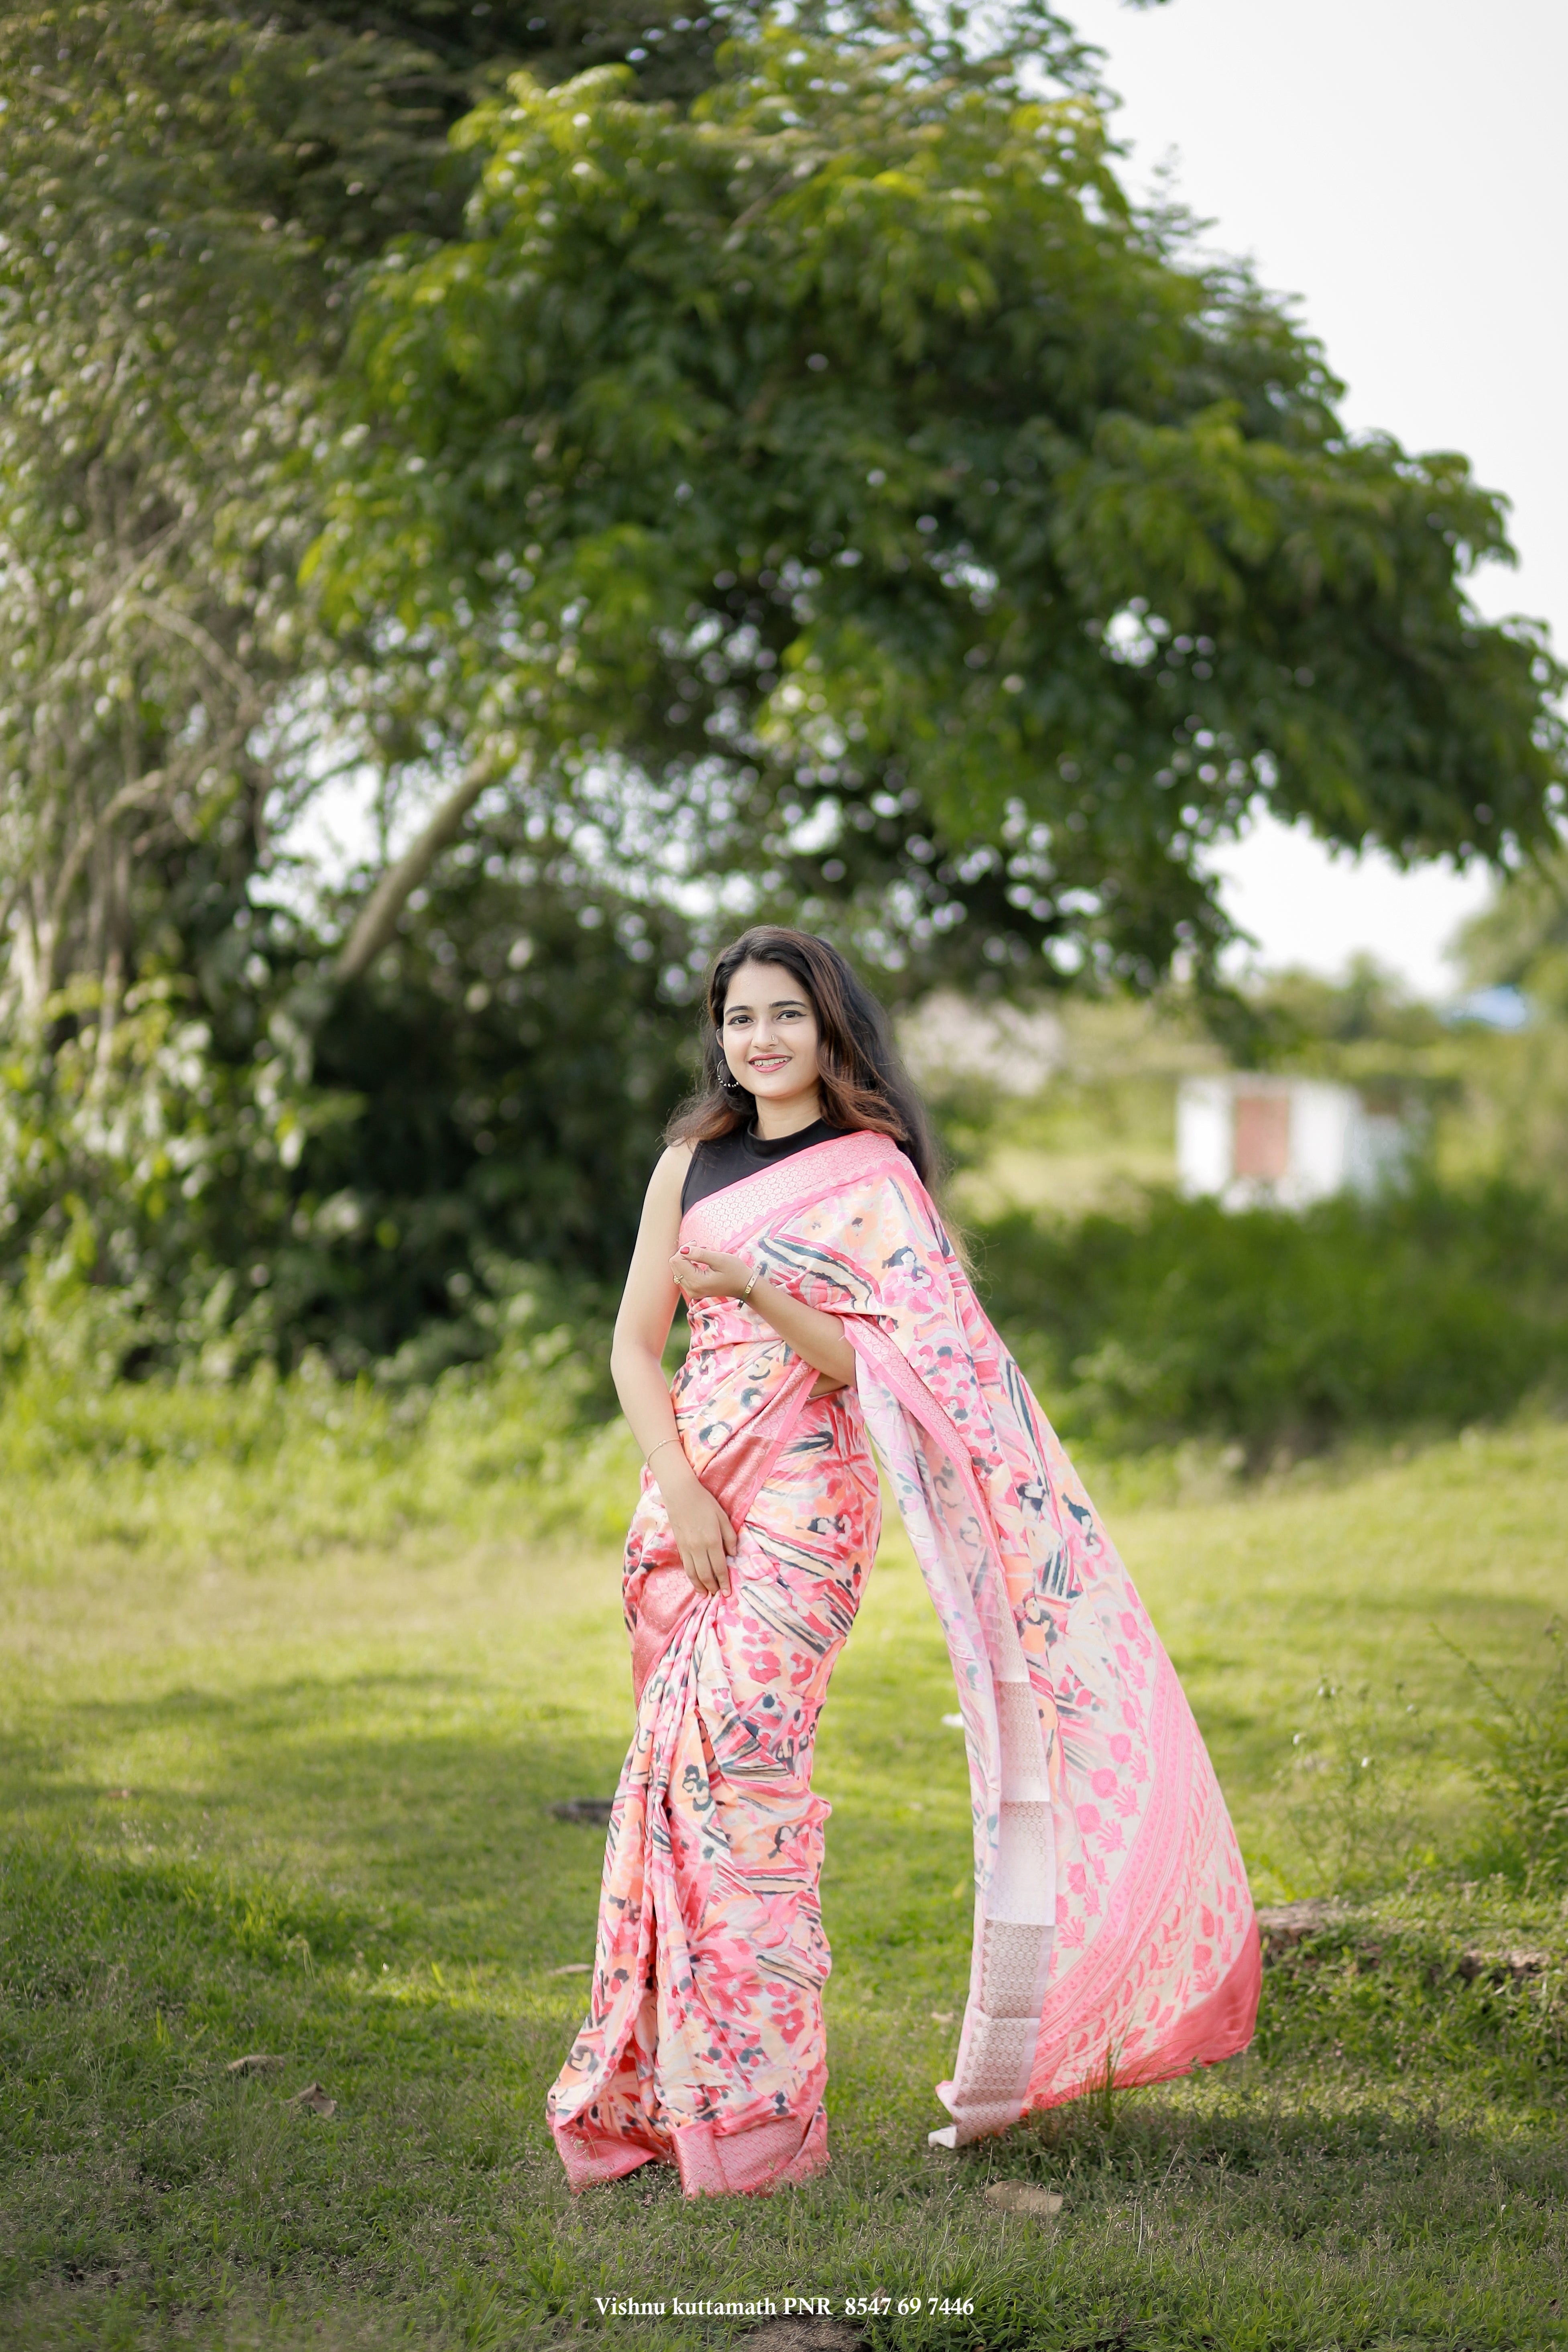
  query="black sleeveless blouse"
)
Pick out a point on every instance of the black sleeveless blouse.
point(733, 1157)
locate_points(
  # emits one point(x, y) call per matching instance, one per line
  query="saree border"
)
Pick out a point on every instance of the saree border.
point(862, 1145)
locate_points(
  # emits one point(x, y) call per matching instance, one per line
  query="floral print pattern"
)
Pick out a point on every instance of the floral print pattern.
point(704, 2043)
point(1114, 1933)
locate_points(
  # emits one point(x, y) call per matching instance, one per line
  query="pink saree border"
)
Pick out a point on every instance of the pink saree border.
point(758, 1199)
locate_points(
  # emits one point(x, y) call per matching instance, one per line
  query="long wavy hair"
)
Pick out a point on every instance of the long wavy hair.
point(862, 1082)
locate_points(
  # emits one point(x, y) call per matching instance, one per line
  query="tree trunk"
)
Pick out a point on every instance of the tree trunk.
point(379, 916)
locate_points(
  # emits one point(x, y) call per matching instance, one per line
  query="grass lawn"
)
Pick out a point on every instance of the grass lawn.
point(282, 1731)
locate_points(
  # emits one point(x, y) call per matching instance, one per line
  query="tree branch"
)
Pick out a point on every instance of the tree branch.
point(129, 796)
point(121, 588)
point(204, 643)
point(379, 916)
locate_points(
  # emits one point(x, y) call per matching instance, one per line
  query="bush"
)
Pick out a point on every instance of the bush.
point(173, 1471)
point(1428, 1308)
point(1524, 1775)
point(272, 1165)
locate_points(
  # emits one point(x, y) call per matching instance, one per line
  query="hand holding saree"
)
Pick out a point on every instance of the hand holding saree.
point(1114, 1934)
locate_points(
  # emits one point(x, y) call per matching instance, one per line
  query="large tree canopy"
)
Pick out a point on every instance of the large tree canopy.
point(842, 484)
point(187, 190)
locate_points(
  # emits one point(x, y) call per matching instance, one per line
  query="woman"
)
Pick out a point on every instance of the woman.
point(1114, 1935)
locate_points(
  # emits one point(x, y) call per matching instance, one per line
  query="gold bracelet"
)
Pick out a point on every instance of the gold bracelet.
point(756, 1277)
point(648, 1458)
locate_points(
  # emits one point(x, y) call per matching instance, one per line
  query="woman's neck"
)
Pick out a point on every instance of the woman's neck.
point(777, 1119)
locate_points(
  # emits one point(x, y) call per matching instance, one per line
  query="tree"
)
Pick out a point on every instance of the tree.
point(186, 194)
point(172, 298)
point(848, 409)
point(675, 52)
point(852, 499)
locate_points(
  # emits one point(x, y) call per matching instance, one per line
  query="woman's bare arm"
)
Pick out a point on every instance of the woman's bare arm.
point(647, 1310)
point(702, 1532)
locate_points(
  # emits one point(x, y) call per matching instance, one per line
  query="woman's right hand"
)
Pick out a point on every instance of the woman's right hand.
point(703, 1533)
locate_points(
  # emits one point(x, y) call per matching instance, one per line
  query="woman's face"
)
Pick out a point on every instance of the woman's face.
point(770, 1033)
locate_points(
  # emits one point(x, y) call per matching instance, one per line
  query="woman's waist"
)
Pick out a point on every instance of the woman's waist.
point(757, 1359)
point(760, 1470)
point(720, 1323)
point(741, 1379)
point(719, 1425)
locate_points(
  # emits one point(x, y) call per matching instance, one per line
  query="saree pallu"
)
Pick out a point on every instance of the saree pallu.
point(1114, 1938)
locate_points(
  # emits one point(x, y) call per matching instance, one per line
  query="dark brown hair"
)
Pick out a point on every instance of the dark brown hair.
point(862, 1083)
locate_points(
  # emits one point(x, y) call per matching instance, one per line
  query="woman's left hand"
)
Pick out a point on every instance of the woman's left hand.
point(710, 1274)
point(816, 1336)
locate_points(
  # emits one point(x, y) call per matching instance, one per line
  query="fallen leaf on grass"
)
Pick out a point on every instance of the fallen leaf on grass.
point(574, 1969)
point(315, 2097)
point(943, 2016)
point(1023, 2197)
point(256, 2062)
point(120, 1793)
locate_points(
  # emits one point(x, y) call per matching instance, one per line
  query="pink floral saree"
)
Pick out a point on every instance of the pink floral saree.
point(1114, 1934)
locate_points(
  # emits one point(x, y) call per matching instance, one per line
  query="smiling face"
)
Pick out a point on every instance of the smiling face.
point(770, 1039)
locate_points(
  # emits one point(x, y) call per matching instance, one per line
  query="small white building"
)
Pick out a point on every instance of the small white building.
point(1250, 1140)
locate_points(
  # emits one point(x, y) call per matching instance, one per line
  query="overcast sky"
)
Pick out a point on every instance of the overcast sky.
point(1398, 165)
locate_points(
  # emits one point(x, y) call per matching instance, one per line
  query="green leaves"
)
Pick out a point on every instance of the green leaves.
point(845, 458)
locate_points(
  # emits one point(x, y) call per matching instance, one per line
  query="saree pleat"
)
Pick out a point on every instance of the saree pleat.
point(704, 2044)
point(1114, 1938)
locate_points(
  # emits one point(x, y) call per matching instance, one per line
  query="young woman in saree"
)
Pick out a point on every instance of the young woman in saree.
point(1113, 1929)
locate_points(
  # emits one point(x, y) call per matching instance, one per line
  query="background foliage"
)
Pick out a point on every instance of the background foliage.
point(1284, 1333)
point(381, 1176)
point(723, 468)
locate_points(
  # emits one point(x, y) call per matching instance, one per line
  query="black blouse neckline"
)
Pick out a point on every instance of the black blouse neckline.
point(779, 1147)
point(731, 1159)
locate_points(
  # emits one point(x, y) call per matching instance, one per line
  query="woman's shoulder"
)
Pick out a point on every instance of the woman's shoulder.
point(880, 1155)
point(866, 1163)
point(670, 1171)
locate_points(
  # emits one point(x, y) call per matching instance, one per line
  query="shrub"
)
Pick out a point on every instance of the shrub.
point(1430, 1307)
point(1524, 1773)
point(261, 1168)
point(202, 1469)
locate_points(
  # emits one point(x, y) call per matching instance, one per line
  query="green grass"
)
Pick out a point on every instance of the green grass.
point(282, 1720)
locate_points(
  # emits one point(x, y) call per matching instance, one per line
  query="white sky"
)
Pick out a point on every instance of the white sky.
point(1399, 166)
